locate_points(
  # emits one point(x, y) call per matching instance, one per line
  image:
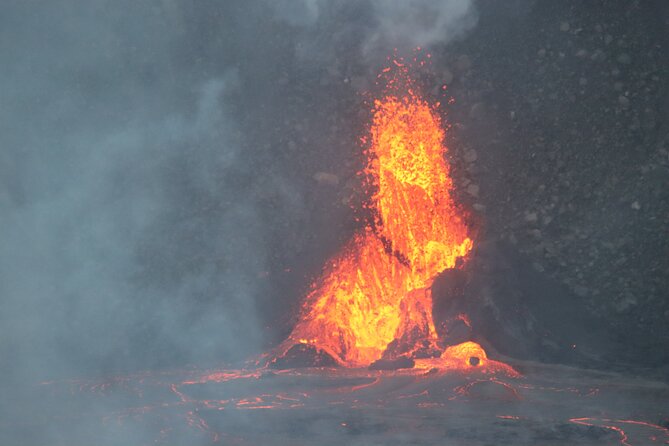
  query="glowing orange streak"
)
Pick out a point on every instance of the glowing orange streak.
point(586, 421)
point(377, 289)
point(623, 435)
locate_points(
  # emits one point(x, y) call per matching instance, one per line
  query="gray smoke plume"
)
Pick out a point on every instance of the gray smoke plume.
point(375, 28)
point(131, 197)
point(419, 23)
point(156, 172)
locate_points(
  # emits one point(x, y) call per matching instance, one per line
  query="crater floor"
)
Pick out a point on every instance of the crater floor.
point(546, 405)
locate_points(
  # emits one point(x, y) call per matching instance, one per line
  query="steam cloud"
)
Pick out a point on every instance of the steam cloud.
point(133, 223)
point(419, 23)
point(377, 26)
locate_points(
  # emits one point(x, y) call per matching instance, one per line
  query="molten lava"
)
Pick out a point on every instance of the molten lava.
point(374, 300)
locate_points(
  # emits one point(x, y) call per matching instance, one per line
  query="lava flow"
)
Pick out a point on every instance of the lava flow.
point(374, 299)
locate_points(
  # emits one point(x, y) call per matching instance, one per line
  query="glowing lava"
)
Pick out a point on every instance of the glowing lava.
point(374, 299)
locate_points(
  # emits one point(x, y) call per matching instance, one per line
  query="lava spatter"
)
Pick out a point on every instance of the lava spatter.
point(373, 300)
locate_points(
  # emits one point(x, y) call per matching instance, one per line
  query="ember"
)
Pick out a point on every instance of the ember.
point(374, 300)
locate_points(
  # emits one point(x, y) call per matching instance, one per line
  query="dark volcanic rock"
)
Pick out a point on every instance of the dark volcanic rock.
point(303, 355)
point(450, 287)
point(450, 306)
point(392, 364)
point(411, 346)
point(491, 390)
point(455, 331)
point(516, 309)
point(572, 163)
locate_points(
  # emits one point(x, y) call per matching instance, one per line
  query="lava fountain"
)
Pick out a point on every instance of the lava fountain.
point(372, 304)
point(373, 300)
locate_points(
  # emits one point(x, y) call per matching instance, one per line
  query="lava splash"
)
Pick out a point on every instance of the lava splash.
point(373, 300)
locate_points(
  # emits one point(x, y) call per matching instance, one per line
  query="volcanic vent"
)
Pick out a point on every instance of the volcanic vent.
point(373, 303)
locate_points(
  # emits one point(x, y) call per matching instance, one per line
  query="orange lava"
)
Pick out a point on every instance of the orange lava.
point(376, 290)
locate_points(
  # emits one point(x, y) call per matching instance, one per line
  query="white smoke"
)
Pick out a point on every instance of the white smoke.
point(418, 23)
point(391, 24)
